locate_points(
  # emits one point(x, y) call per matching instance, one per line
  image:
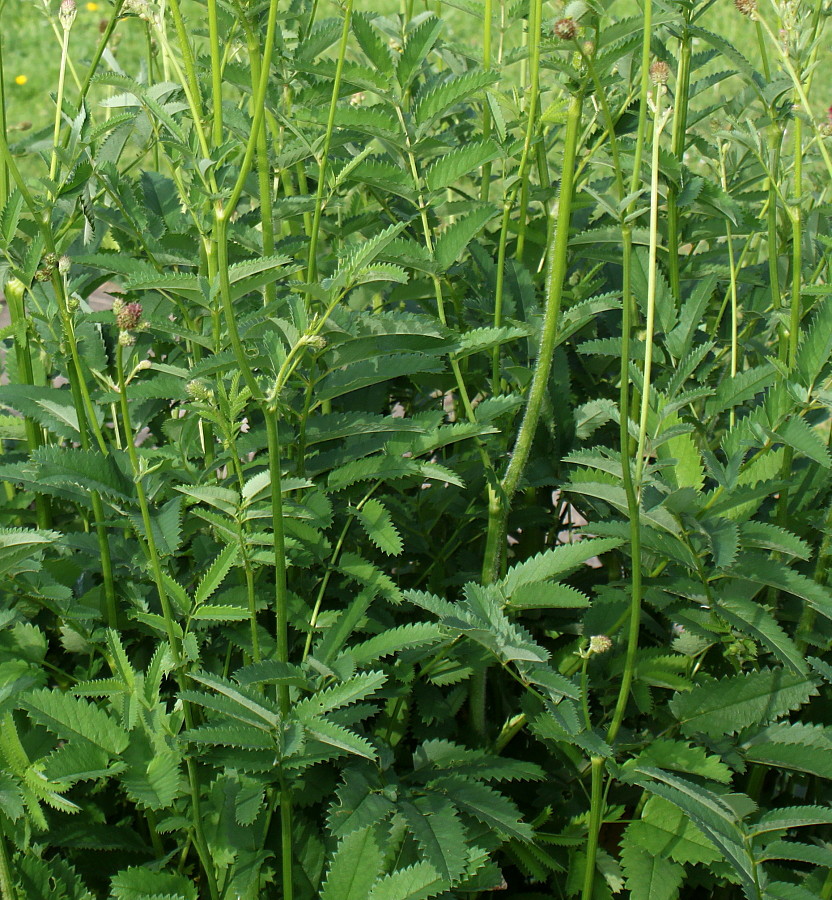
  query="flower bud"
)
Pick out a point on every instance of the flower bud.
point(64, 265)
point(659, 72)
point(128, 316)
point(67, 13)
point(196, 390)
point(565, 29)
point(315, 341)
point(125, 339)
point(746, 7)
point(599, 643)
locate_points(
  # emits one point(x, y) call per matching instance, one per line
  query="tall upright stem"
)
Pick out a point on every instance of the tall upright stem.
point(312, 262)
point(59, 103)
point(652, 272)
point(677, 143)
point(488, 16)
point(167, 614)
point(557, 256)
point(216, 74)
point(535, 18)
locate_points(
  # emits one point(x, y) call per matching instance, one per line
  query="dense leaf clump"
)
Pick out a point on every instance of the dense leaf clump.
point(444, 506)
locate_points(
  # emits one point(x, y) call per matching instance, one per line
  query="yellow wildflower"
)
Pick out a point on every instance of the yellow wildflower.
point(21, 79)
point(92, 7)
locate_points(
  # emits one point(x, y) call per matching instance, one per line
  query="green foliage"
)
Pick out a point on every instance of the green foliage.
point(350, 558)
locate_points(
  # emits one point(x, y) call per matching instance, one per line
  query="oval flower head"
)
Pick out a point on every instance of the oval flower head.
point(21, 79)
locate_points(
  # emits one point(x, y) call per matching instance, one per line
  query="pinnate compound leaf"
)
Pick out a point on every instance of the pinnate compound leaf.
point(371, 42)
point(792, 817)
point(557, 561)
point(353, 690)
point(739, 389)
point(337, 736)
point(800, 747)
point(17, 544)
point(420, 41)
point(217, 571)
point(664, 830)
point(798, 434)
point(417, 882)
point(649, 876)
point(752, 618)
point(70, 717)
point(354, 868)
point(439, 832)
point(711, 815)
point(456, 237)
point(717, 708)
point(487, 806)
point(375, 517)
point(241, 697)
point(440, 99)
point(397, 640)
point(139, 883)
point(451, 167)
point(815, 349)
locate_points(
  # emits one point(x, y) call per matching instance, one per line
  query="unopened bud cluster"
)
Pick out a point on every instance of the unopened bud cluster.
point(128, 318)
point(47, 267)
point(826, 127)
point(197, 390)
point(67, 13)
point(598, 643)
point(659, 72)
point(746, 7)
point(565, 29)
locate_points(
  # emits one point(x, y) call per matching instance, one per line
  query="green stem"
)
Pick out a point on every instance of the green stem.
point(155, 563)
point(488, 15)
point(59, 104)
point(15, 294)
point(190, 82)
point(679, 134)
point(808, 615)
point(78, 388)
point(263, 167)
point(557, 256)
point(216, 74)
point(644, 88)
point(312, 263)
point(100, 48)
point(499, 290)
point(596, 811)
point(167, 614)
point(4, 170)
point(535, 19)
point(7, 889)
point(652, 273)
point(732, 271)
point(797, 245)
